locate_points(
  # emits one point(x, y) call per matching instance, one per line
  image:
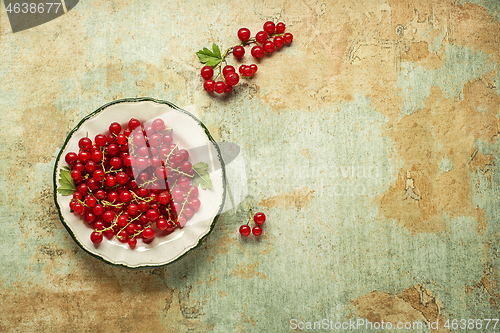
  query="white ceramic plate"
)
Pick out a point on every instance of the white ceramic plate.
point(191, 135)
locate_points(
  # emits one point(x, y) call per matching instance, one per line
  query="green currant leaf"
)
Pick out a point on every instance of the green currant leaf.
point(201, 175)
point(67, 185)
point(210, 58)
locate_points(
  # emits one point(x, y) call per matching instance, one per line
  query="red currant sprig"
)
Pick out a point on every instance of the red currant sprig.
point(259, 219)
point(270, 39)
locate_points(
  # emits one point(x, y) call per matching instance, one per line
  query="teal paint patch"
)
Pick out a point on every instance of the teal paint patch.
point(493, 6)
point(461, 64)
point(445, 165)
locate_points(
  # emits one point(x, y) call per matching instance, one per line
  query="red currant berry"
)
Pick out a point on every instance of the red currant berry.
point(158, 125)
point(85, 144)
point(228, 88)
point(242, 68)
point(228, 69)
point(280, 27)
point(278, 41)
point(90, 201)
point(110, 181)
point(269, 27)
point(209, 85)
point(100, 140)
point(121, 178)
point(97, 156)
point(98, 210)
point(261, 37)
point(184, 153)
point(84, 156)
point(268, 46)
point(161, 224)
point(245, 230)
point(167, 139)
point(152, 215)
point(122, 236)
point(195, 204)
point(254, 68)
point(219, 87)
point(133, 123)
point(132, 242)
point(247, 71)
point(232, 79)
point(257, 52)
point(115, 162)
point(163, 198)
point(98, 175)
point(96, 237)
point(207, 72)
point(79, 166)
point(82, 188)
point(259, 218)
point(121, 139)
point(115, 128)
point(186, 167)
point(244, 34)
point(288, 37)
point(71, 158)
point(132, 209)
point(148, 234)
point(238, 51)
point(76, 175)
point(125, 196)
point(257, 230)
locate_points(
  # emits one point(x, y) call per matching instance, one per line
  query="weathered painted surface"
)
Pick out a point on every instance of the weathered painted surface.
point(371, 143)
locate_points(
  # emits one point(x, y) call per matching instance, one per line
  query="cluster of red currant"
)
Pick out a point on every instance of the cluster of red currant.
point(259, 219)
point(271, 38)
point(122, 183)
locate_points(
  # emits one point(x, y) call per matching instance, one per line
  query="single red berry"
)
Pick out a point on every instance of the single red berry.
point(85, 144)
point(232, 79)
point(115, 128)
point(254, 68)
point(96, 237)
point(219, 87)
point(207, 72)
point(97, 156)
point(238, 51)
point(244, 34)
point(71, 158)
point(186, 167)
point(257, 230)
point(269, 27)
point(161, 224)
point(122, 236)
point(76, 175)
point(148, 234)
point(209, 85)
point(132, 242)
point(163, 198)
point(280, 27)
point(261, 37)
point(121, 139)
point(257, 52)
point(228, 88)
point(242, 68)
point(245, 230)
point(259, 218)
point(195, 204)
point(278, 41)
point(158, 124)
point(100, 140)
point(268, 46)
point(84, 156)
point(228, 69)
point(133, 123)
point(247, 71)
point(288, 37)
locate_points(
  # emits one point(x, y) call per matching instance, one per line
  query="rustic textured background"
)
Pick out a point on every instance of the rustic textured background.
point(371, 143)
